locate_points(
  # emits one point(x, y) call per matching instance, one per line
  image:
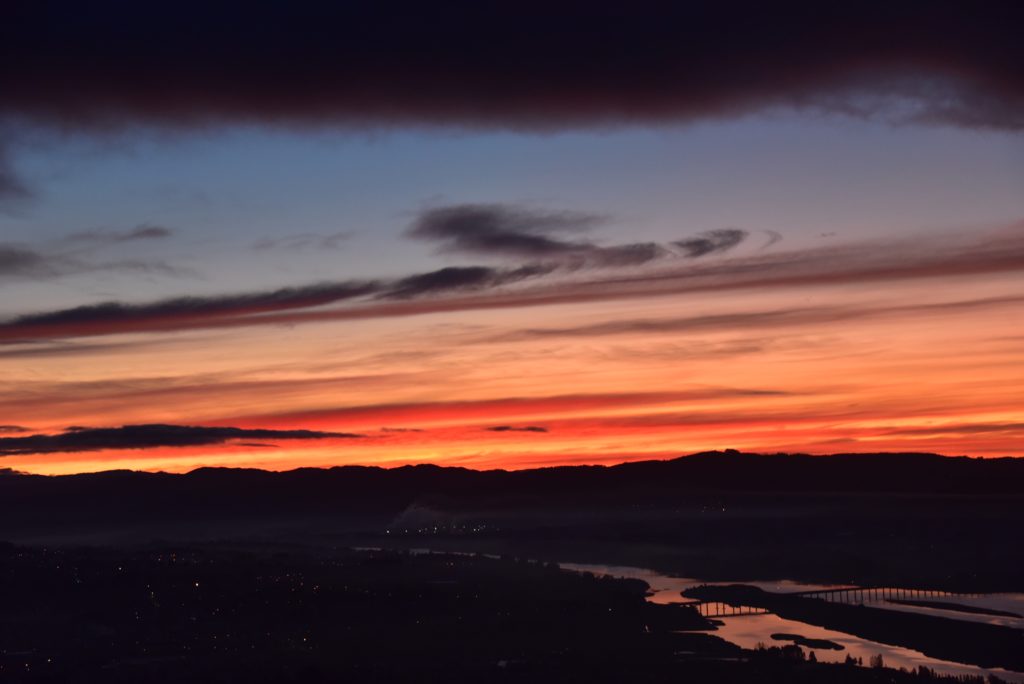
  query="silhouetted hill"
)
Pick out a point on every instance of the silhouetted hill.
point(128, 496)
point(865, 517)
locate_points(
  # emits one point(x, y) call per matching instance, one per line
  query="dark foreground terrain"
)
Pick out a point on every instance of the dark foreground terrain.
point(917, 520)
point(243, 575)
point(246, 614)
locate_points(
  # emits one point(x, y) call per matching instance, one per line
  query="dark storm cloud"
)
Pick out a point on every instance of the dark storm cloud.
point(121, 65)
point(143, 231)
point(537, 65)
point(512, 428)
point(77, 438)
point(711, 242)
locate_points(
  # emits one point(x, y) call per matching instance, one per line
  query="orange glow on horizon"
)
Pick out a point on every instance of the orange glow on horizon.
point(819, 370)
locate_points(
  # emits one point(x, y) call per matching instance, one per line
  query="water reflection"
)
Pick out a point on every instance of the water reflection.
point(666, 589)
point(969, 607)
point(751, 628)
point(749, 631)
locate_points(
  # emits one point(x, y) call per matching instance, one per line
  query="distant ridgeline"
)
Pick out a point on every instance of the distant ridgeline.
point(347, 488)
point(700, 480)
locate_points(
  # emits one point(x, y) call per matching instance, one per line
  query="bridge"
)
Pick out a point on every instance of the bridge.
point(847, 595)
point(865, 595)
point(717, 609)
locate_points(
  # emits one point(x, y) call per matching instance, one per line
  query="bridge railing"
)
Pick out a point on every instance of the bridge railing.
point(863, 595)
point(714, 609)
point(848, 595)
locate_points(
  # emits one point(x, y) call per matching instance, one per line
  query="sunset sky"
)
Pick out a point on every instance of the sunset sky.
point(376, 250)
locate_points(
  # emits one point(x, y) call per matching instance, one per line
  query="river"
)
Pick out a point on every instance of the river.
point(748, 631)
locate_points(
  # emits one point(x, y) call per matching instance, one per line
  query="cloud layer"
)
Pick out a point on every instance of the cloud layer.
point(513, 428)
point(520, 65)
point(12, 188)
point(99, 236)
point(77, 439)
point(76, 253)
point(464, 288)
point(499, 230)
point(502, 229)
point(713, 241)
point(510, 231)
point(304, 241)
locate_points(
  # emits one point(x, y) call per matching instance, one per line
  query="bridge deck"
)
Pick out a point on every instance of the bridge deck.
point(850, 595)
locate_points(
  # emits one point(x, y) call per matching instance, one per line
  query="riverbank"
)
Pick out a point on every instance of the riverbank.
point(984, 645)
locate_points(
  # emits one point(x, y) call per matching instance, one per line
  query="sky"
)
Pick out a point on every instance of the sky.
point(504, 239)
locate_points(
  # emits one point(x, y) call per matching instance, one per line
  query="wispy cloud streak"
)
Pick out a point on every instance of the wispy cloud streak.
point(514, 232)
point(305, 241)
point(476, 288)
point(504, 230)
point(758, 320)
point(712, 242)
point(76, 439)
point(499, 409)
point(100, 236)
point(74, 256)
